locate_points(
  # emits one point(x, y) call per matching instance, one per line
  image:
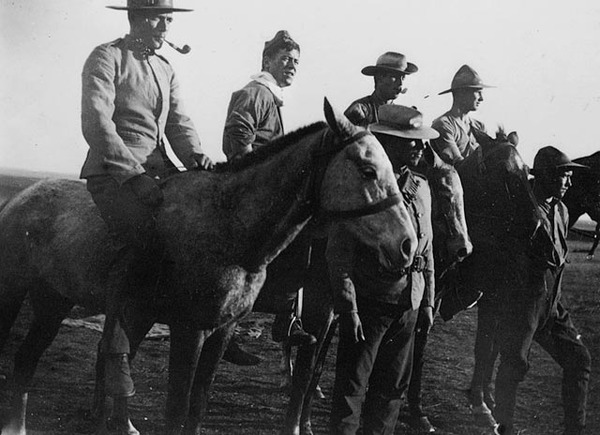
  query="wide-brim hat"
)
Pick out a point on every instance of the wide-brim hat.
point(466, 77)
point(402, 121)
point(150, 5)
point(550, 158)
point(390, 62)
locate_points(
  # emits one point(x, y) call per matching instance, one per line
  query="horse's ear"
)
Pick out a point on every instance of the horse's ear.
point(431, 157)
point(513, 138)
point(337, 121)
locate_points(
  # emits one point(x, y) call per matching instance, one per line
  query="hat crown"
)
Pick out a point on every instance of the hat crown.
point(466, 77)
point(403, 117)
point(281, 39)
point(549, 158)
point(149, 5)
point(402, 121)
point(392, 59)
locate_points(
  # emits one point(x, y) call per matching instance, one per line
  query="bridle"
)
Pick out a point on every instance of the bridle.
point(320, 159)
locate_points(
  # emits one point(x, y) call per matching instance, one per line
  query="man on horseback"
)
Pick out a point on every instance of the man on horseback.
point(131, 103)
point(456, 139)
point(389, 73)
point(378, 304)
point(253, 120)
point(536, 312)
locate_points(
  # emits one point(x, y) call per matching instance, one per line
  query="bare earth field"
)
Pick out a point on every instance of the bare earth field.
point(248, 400)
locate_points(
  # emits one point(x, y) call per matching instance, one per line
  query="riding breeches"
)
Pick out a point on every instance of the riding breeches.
point(131, 225)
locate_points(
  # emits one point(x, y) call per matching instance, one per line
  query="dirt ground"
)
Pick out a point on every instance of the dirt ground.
point(248, 400)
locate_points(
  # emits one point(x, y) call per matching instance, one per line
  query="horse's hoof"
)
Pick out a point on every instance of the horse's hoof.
point(127, 428)
point(12, 429)
point(483, 416)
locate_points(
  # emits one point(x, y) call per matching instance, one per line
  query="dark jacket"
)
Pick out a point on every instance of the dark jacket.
point(363, 111)
point(253, 119)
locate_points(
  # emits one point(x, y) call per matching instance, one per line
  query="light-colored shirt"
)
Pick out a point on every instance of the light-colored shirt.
point(456, 141)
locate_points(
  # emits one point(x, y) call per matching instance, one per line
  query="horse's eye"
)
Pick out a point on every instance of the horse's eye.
point(368, 173)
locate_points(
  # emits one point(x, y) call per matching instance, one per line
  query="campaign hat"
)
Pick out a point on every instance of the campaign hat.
point(150, 5)
point(402, 121)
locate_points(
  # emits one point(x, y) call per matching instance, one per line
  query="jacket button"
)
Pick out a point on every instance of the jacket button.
point(421, 235)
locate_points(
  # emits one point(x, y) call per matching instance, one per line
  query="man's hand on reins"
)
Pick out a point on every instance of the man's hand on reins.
point(202, 162)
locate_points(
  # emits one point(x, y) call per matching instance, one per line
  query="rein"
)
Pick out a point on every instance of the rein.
point(321, 157)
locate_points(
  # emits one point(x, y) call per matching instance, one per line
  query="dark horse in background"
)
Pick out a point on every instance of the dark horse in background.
point(502, 218)
point(584, 196)
point(291, 271)
point(220, 229)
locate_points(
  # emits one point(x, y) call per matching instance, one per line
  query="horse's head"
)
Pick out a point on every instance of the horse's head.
point(499, 202)
point(584, 195)
point(450, 237)
point(359, 191)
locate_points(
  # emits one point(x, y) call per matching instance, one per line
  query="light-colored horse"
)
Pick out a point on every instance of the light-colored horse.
point(289, 272)
point(220, 231)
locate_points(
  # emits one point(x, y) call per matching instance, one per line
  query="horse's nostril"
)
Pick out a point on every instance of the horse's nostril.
point(408, 251)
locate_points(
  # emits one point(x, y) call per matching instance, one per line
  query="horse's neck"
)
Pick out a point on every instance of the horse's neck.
point(268, 196)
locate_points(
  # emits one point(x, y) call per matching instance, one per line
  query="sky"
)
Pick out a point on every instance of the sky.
point(542, 56)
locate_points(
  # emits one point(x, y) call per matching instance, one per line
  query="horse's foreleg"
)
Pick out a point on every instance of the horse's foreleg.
point(313, 387)
point(186, 344)
point(305, 379)
point(486, 352)
point(210, 356)
point(43, 330)
point(286, 366)
point(596, 241)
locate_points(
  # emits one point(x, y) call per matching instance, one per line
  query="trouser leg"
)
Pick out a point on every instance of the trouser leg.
point(131, 226)
point(562, 341)
point(390, 376)
point(520, 320)
point(354, 365)
point(414, 388)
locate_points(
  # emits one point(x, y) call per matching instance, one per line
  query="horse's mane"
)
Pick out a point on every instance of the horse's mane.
point(272, 148)
point(593, 161)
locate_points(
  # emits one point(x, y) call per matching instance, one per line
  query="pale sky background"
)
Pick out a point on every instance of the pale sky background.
point(543, 56)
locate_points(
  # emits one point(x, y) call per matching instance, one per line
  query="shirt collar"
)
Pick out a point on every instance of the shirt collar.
point(266, 79)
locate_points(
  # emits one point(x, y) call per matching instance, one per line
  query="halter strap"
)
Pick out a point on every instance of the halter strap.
point(367, 210)
point(321, 158)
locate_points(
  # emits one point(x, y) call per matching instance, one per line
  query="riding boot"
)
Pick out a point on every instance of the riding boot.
point(117, 372)
point(288, 327)
point(238, 356)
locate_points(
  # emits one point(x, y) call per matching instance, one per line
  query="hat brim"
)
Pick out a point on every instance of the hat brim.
point(564, 167)
point(372, 70)
point(149, 8)
point(422, 133)
point(481, 86)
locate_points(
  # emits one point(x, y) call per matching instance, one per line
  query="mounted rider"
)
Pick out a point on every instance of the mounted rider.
point(131, 104)
point(253, 120)
point(389, 74)
point(457, 140)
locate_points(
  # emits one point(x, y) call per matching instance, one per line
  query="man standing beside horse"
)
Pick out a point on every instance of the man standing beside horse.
point(131, 103)
point(253, 120)
point(536, 312)
point(389, 73)
point(378, 303)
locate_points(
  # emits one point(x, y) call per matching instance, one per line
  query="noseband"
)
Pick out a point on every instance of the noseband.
point(321, 157)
